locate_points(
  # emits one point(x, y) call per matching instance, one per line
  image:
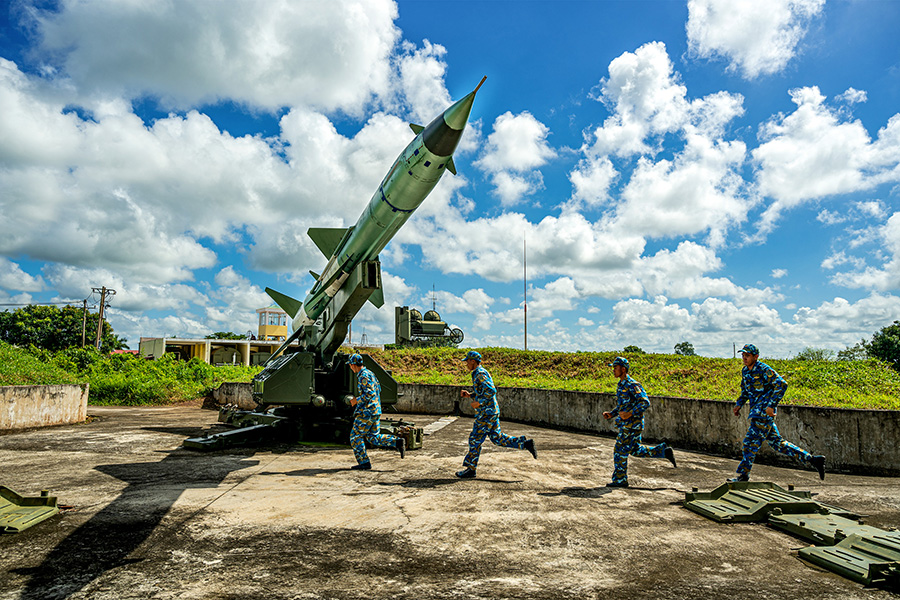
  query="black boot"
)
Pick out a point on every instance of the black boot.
point(818, 462)
point(529, 445)
point(366, 466)
point(466, 473)
point(401, 446)
point(670, 454)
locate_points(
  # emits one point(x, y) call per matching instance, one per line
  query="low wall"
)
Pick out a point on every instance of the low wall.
point(24, 406)
point(231, 392)
point(861, 441)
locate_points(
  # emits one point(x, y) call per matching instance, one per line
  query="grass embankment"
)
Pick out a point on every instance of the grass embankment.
point(849, 384)
point(122, 379)
point(126, 379)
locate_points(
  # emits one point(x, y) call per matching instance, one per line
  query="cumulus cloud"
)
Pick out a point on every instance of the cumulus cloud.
point(330, 56)
point(779, 273)
point(699, 190)
point(882, 278)
point(515, 149)
point(12, 277)
point(811, 153)
point(757, 37)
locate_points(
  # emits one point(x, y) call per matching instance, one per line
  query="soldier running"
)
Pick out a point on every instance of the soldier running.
point(763, 388)
point(631, 402)
point(367, 417)
point(487, 417)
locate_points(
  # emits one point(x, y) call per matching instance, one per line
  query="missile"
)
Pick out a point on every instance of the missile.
point(407, 183)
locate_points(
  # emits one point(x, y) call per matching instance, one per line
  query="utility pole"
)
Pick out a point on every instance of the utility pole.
point(103, 291)
point(83, 322)
point(525, 283)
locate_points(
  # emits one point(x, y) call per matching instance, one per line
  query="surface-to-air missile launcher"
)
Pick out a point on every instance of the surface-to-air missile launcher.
point(412, 329)
point(304, 390)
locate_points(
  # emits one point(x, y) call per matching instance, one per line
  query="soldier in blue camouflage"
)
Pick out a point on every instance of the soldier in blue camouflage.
point(487, 417)
point(367, 417)
point(631, 402)
point(763, 389)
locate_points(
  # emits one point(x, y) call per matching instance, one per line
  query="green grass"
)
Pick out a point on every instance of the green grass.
point(126, 379)
point(18, 367)
point(851, 384)
point(122, 379)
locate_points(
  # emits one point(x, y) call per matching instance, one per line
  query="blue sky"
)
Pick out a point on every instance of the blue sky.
point(715, 171)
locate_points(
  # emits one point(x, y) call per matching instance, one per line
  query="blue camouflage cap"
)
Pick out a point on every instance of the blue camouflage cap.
point(618, 361)
point(472, 354)
point(355, 359)
point(749, 349)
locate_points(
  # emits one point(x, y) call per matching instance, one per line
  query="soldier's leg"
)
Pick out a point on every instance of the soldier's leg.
point(480, 431)
point(642, 451)
point(625, 443)
point(779, 444)
point(362, 428)
point(501, 439)
point(378, 439)
point(752, 441)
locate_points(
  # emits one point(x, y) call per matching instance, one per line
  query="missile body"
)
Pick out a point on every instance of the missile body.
point(410, 179)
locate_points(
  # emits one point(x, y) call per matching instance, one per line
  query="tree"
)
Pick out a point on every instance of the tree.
point(226, 335)
point(53, 328)
point(685, 349)
point(885, 345)
point(857, 352)
point(819, 354)
point(633, 350)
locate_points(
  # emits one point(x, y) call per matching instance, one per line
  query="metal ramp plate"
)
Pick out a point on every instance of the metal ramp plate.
point(18, 512)
point(870, 559)
point(824, 529)
point(751, 502)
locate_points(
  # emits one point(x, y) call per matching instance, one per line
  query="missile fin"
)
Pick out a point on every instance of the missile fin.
point(289, 305)
point(450, 166)
point(417, 129)
point(315, 275)
point(377, 298)
point(327, 239)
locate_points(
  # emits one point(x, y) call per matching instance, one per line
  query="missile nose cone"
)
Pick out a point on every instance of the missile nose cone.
point(458, 115)
point(442, 134)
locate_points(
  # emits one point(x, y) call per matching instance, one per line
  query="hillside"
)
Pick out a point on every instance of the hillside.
point(18, 367)
point(856, 384)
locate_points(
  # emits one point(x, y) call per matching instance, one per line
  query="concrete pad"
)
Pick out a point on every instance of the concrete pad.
point(150, 519)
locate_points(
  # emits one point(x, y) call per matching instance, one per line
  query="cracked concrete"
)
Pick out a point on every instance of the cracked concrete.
point(150, 519)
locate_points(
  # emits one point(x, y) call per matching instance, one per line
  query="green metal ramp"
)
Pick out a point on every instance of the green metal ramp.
point(870, 559)
point(822, 529)
point(752, 502)
point(18, 512)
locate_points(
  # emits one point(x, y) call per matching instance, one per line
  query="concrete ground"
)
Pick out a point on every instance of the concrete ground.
point(149, 519)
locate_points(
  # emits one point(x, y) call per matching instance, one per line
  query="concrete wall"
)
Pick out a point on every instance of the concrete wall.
point(24, 406)
point(862, 441)
point(231, 392)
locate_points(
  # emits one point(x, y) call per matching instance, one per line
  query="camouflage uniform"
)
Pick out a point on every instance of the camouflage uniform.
point(631, 397)
point(367, 418)
point(487, 419)
point(763, 388)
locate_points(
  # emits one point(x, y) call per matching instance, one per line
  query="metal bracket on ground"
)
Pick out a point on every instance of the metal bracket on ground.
point(18, 512)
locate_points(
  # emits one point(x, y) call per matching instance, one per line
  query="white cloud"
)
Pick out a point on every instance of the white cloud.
point(853, 96)
point(12, 277)
point(515, 149)
point(757, 37)
point(331, 56)
point(645, 97)
point(884, 278)
point(811, 154)
point(779, 273)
